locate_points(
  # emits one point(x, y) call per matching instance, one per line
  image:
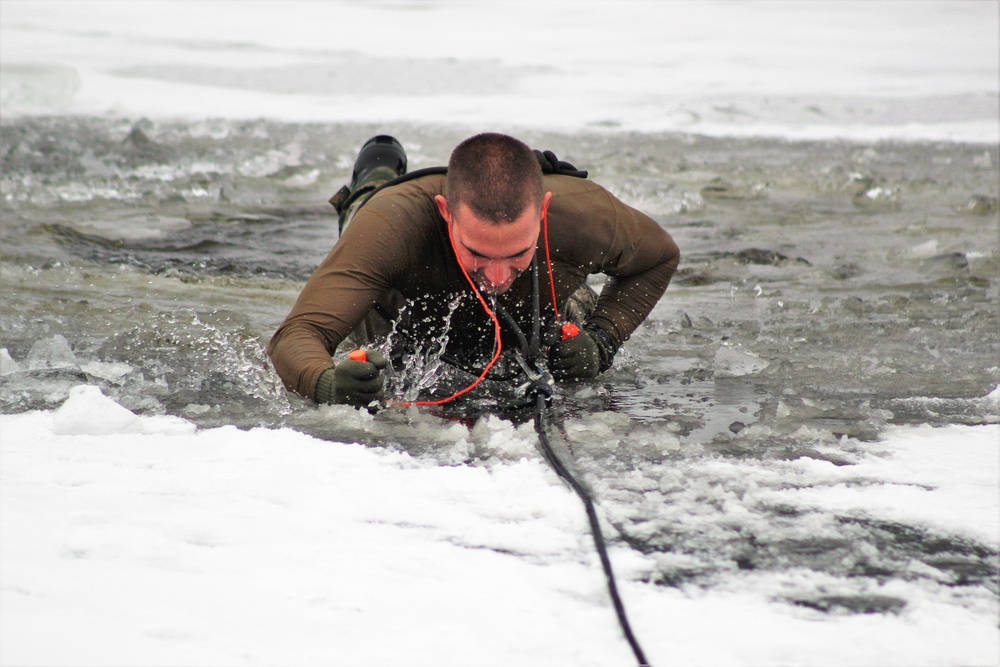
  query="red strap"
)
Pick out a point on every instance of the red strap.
point(568, 331)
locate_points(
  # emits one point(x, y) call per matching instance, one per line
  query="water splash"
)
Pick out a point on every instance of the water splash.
point(204, 366)
point(422, 368)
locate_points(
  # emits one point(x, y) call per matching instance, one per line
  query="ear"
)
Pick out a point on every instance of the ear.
point(545, 203)
point(443, 208)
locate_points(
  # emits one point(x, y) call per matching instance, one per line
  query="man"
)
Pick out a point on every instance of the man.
point(407, 254)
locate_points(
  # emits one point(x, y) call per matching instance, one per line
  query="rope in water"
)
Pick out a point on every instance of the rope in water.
point(541, 416)
point(541, 419)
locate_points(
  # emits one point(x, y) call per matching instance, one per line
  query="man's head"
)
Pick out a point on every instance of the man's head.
point(495, 199)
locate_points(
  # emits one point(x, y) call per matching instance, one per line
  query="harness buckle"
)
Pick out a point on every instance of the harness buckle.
point(540, 381)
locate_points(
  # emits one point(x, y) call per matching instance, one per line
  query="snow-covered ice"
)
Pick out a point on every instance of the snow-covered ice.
point(222, 546)
point(822, 69)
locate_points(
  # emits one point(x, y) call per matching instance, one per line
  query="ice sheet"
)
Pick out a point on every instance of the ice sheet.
point(222, 546)
point(871, 70)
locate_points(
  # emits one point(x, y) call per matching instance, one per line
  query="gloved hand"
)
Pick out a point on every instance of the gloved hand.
point(579, 357)
point(353, 381)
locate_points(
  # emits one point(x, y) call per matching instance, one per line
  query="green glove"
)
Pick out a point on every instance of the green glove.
point(352, 381)
point(580, 357)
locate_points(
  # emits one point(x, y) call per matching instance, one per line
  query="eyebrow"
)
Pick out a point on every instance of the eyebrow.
point(481, 255)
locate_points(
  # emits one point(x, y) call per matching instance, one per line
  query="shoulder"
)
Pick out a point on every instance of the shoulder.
point(587, 219)
point(567, 185)
point(581, 197)
point(406, 210)
point(393, 230)
point(580, 201)
point(414, 197)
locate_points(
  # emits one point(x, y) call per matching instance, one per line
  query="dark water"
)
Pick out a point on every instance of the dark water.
point(826, 289)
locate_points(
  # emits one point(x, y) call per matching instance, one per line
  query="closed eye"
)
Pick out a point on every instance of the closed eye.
point(481, 255)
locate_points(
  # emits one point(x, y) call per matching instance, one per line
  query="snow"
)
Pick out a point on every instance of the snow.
point(940, 477)
point(822, 69)
point(78, 416)
point(135, 540)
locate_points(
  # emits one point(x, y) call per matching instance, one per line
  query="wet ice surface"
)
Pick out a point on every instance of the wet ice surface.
point(829, 292)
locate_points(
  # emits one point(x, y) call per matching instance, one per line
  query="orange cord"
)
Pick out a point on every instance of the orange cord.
point(548, 260)
point(568, 329)
point(496, 328)
point(492, 315)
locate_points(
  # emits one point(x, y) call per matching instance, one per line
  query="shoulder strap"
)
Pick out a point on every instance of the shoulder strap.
point(344, 197)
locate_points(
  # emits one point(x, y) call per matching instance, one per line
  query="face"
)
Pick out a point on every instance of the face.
point(494, 254)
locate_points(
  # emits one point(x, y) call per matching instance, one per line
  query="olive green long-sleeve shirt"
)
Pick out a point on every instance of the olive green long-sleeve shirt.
point(398, 245)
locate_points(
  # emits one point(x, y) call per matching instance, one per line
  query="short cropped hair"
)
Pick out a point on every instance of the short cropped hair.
point(498, 177)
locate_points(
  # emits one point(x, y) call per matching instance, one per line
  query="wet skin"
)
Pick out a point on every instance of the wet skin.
point(494, 253)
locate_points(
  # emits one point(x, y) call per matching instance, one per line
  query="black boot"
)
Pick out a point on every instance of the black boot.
point(379, 151)
point(380, 159)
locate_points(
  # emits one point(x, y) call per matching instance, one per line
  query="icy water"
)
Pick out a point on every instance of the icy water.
point(826, 290)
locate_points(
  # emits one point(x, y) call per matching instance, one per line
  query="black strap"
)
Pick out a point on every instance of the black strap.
point(547, 160)
point(552, 165)
point(427, 171)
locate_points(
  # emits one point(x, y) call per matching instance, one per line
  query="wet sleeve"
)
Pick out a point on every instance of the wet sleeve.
point(640, 260)
point(361, 267)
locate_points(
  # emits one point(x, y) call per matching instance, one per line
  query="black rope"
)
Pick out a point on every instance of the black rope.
point(498, 308)
point(551, 164)
point(534, 349)
point(541, 426)
point(595, 526)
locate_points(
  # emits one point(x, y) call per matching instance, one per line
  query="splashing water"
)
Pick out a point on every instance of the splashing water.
point(422, 367)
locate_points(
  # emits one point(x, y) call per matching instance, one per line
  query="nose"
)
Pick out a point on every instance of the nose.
point(498, 274)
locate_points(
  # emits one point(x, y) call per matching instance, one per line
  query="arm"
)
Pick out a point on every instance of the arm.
point(639, 258)
point(627, 299)
point(335, 299)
